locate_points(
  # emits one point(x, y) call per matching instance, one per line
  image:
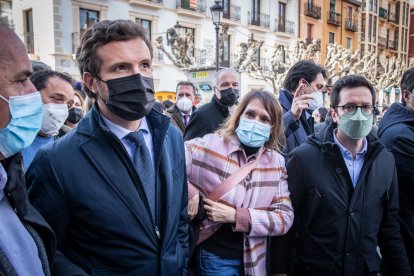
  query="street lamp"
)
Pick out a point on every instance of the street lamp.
point(216, 12)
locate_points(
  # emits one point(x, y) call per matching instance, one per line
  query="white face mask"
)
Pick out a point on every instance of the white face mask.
point(317, 101)
point(184, 104)
point(54, 117)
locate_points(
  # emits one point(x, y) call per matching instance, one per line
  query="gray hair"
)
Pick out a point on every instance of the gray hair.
point(225, 70)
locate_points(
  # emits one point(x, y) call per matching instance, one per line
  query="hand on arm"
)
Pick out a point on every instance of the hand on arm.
point(193, 206)
point(219, 212)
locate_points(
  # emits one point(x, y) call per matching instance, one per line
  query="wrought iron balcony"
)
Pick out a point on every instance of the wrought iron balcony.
point(392, 17)
point(383, 13)
point(334, 18)
point(382, 41)
point(233, 13)
point(200, 5)
point(355, 2)
point(351, 25)
point(392, 45)
point(312, 10)
point(259, 19)
point(284, 26)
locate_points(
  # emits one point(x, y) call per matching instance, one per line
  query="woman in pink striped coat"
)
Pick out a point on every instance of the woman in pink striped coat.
point(233, 236)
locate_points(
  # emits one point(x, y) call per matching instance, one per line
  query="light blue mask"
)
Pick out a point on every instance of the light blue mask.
point(26, 119)
point(355, 126)
point(253, 133)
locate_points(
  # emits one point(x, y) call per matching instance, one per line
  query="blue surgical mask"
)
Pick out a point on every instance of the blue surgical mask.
point(253, 133)
point(26, 119)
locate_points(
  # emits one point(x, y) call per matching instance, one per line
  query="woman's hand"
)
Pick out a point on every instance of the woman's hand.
point(193, 206)
point(219, 212)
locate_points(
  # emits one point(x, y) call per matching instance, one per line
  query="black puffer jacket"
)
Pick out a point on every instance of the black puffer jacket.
point(206, 119)
point(338, 227)
point(396, 131)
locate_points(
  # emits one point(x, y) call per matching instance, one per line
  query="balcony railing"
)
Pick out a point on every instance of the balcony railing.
point(382, 41)
point(334, 18)
point(393, 45)
point(393, 18)
point(233, 13)
point(284, 26)
point(351, 25)
point(185, 4)
point(355, 2)
point(312, 10)
point(383, 13)
point(158, 54)
point(259, 19)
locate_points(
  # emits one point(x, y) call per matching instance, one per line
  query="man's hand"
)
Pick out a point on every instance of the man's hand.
point(300, 101)
point(193, 206)
point(219, 212)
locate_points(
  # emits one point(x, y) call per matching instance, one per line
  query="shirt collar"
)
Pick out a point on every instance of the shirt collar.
point(119, 131)
point(346, 152)
point(182, 113)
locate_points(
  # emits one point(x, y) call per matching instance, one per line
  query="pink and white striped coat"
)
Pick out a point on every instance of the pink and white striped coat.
point(263, 206)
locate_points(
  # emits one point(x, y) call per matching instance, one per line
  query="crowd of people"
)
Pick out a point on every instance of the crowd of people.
point(102, 179)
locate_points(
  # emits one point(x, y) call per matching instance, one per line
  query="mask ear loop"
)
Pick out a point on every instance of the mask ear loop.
point(105, 101)
point(4, 99)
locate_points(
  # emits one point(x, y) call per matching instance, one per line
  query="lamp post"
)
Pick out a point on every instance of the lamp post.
point(216, 12)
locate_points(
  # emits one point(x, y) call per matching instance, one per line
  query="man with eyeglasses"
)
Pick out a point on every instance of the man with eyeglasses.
point(344, 192)
point(396, 131)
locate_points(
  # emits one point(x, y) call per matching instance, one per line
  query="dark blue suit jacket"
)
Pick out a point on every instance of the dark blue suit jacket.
point(87, 188)
point(296, 131)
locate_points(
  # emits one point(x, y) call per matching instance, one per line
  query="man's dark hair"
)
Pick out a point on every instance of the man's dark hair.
point(38, 65)
point(304, 69)
point(407, 82)
point(186, 83)
point(167, 104)
point(350, 81)
point(100, 34)
point(40, 78)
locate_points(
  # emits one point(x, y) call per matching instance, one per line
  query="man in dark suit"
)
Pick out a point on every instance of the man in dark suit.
point(27, 243)
point(181, 111)
point(208, 118)
point(115, 189)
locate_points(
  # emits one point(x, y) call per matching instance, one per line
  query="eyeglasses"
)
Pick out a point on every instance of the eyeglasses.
point(351, 109)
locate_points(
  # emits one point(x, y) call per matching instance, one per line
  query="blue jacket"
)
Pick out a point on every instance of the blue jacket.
point(87, 188)
point(296, 131)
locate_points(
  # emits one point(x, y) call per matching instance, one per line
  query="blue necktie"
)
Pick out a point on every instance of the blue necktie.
point(144, 166)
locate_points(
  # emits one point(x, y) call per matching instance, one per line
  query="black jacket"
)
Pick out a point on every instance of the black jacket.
point(87, 188)
point(43, 236)
point(338, 228)
point(206, 119)
point(396, 131)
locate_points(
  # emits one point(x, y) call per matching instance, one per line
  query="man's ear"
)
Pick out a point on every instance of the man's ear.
point(217, 92)
point(90, 82)
point(334, 114)
point(405, 96)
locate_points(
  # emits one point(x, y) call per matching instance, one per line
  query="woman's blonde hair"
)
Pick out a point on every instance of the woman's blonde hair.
point(272, 106)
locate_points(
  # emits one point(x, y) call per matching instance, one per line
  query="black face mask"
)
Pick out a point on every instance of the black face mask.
point(75, 114)
point(229, 96)
point(131, 97)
